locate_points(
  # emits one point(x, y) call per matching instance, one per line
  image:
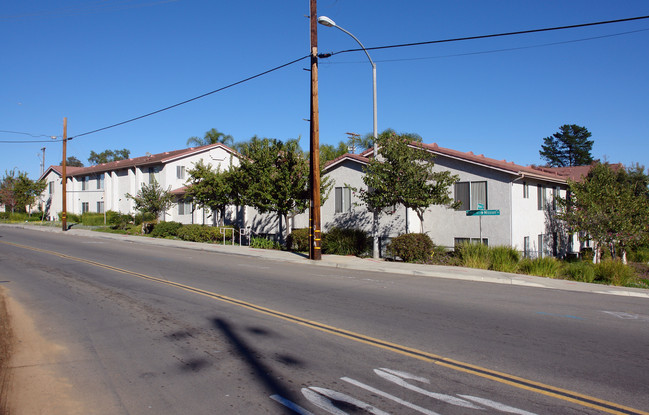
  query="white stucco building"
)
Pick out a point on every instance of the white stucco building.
point(523, 195)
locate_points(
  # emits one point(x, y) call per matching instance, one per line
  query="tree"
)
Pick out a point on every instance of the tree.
point(17, 191)
point(404, 175)
point(328, 152)
point(72, 161)
point(152, 199)
point(274, 177)
point(212, 136)
point(108, 156)
point(568, 147)
point(610, 206)
point(212, 189)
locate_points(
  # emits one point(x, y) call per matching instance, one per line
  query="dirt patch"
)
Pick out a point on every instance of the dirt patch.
point(6, 339)
point(29, 383)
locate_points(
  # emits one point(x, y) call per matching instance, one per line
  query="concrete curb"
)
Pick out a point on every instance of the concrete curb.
point(365, 264)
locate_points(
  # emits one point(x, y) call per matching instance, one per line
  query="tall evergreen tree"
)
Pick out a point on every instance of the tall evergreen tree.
point(570, 146)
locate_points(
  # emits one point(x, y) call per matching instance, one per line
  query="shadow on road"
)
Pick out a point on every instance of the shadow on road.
point(252, 358)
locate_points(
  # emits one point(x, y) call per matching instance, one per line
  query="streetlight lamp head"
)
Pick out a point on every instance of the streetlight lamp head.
point(325, 21)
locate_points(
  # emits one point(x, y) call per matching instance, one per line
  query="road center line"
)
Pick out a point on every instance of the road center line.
point(521, 383)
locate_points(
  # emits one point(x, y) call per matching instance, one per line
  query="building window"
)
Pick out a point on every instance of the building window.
point(100, 181)
point(343, 199)
point(184, 207)
point(100, 207)
point(541, 247)
point(526, 190)
point(153, 176)
point(50, 187)
point(526, 247)
point(84, 181)
point(85, 207)
point(555, 197)
point(460, 241)
point(471, 194)
point(540, 190)
point(180, 172)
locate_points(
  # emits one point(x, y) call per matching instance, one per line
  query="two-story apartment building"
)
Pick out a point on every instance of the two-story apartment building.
point(524, 197)
point(104, 186)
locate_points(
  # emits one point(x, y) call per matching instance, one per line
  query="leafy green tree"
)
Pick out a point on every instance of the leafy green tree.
point(17, 191)
point(214, 189)
point(329, 152)
point(152, 198)
point(212, 136)
point(610, 206)
point(274, 177)
point(404, 175)
point(108, 156)
point(568, 147)
point(72, 161)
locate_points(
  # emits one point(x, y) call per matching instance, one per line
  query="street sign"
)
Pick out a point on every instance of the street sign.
point(480, 206)
point(483, 212)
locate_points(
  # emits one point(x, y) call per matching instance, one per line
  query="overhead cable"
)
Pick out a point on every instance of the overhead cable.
point(192, 99)
point(521, 32)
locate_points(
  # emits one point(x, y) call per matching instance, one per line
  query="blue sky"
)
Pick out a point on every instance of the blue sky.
point(103, 62)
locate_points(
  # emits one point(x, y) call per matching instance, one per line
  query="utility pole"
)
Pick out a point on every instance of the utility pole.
point(64, 196)
point(315, 252)
point(43, 161)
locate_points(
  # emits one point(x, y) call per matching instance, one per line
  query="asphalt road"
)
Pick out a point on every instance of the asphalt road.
point(167, 330)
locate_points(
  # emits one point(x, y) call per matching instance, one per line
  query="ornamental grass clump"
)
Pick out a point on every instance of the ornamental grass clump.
point(412, 247)
point(614, 272)
point(504, 259)
point(579, 271)
point(542, 267)
point(339, 241)
point(474, 255)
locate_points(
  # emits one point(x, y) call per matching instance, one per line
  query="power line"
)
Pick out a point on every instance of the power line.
point(521, 32)
point(192, 99)
point(29, 134)
point(29, 141)
point(497, 50)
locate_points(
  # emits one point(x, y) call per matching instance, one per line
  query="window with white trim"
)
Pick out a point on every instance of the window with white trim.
point(471, 194)
point(100, 207)
point(180, 172)
point(85, 207)
point(343, 199)
point(100, 181)
point(184, 207)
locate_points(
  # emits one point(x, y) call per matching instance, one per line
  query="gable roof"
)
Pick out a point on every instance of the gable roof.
point(148, 160)
point(345, 157)
point(557, 175)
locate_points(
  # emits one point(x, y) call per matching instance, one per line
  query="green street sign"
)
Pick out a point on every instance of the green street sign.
point(483, 212)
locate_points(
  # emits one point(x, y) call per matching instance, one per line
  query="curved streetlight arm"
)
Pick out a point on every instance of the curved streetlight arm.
point(359, 42)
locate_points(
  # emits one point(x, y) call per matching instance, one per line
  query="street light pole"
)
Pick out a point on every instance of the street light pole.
point(325, 21)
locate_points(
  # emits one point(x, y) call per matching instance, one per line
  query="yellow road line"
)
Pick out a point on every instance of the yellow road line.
point(518, 382)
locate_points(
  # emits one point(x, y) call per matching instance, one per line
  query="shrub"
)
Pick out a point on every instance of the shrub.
point(412, 247)
point(504, 258)
point(614, 272)
point(71, 217)
point(542, 267)
point(198, 233)
point(579, 271)
point(474, 255)
point(263, 243)
point(143, 217)
point(92, 219)
point(640, 254)
point(165, 229)
point(118, 220)
point(298, 240)
point(340, 241)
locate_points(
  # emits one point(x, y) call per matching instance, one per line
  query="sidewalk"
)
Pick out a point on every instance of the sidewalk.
point(364, 264)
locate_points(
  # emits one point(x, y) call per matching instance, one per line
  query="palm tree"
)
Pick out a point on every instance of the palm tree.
point(212, 136)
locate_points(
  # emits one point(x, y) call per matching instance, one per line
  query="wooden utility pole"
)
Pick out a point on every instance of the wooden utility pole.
point(314, 213)
point(64, 179)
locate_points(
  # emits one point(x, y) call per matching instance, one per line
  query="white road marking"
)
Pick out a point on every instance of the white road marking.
point(391, 397)
point(627, 316)
point(496, 405)
point(397, 377)
point(321, 398)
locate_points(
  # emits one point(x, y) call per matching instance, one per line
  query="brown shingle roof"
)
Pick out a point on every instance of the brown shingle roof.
point(147, 160)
